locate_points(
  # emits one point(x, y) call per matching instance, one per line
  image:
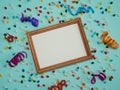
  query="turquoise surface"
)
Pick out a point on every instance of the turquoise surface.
point(24, 76)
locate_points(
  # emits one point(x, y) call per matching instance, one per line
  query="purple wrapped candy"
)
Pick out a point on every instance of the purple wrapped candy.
point(34, 22)
point(17, 58)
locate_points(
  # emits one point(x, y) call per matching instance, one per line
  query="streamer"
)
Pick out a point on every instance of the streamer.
point(17, 58)
point(101, 76)
point(59, 86)
point(81, 10)
point(109, 41)
point(33, 20)
point(9, 38)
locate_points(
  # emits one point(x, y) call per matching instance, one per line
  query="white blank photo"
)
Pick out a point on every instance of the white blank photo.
point(59, 45)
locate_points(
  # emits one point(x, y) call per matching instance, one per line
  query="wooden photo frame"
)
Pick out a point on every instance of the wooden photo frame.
point(59, 45)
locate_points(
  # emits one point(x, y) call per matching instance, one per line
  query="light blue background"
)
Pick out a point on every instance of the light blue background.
point(11, 77)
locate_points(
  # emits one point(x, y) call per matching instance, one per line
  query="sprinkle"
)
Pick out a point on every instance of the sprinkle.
point(38, 81)
point(114, 15)
point(5, 8)
point(110, 66)
point(1, 75)
point(19, 5)
point(65, 0)
point(83, 84)
point(66, 74)
point(43, 85)
point(38, 85)
point(9, 81)
point(23, 76)
point(96, 6)
point(100, 3)
point(92, 62)
point(111, 2)
point(21, 81)
point(78, 78)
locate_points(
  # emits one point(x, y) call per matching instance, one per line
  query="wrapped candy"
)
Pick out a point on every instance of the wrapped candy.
point(33, 20)
point(17, 58)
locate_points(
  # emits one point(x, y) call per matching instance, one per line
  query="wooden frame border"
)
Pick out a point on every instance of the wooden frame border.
point(85, 42)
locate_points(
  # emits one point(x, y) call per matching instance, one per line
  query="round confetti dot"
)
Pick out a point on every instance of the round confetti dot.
point(14, 26)
point(5, 8)
point(42, 76)
point(34, 81)
point(40, 7)
point(92, 89)
point(29, 80)
point(78, 67)
point(23, 70)
point(97, 34)
point(111, 2)
point(66, 10)
point(92, 62)
point(83, 84)
point(106, 10)
point(21, 81)
point(104, 70)
point(19, 5)
point(43, 85)
point(31, 74)
point(107, 46)
point(4, 17)
point(26, 43)
point(23, 76)
point(53, 71)
point(38, 85)
point(103, 24)
point(61, 13)
point(114, 15)
point(38, 14)
point(9, 28)
point(47, 76)
point(38, 81)
point(13, 17)
point(111, 60)
point(10, 47)
point(96, 6)
point(1, 75)
point(76, 2)
point(78, 78)
point(24, 11)
point(101, 8)
point(36, 7)
point(40, 11)
point(88, 73)
point(59, 2)
point(48, 12)
point(102, 12)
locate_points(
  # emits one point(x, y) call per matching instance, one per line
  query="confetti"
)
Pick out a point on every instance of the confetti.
point(96, 17)
point(17, 58)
